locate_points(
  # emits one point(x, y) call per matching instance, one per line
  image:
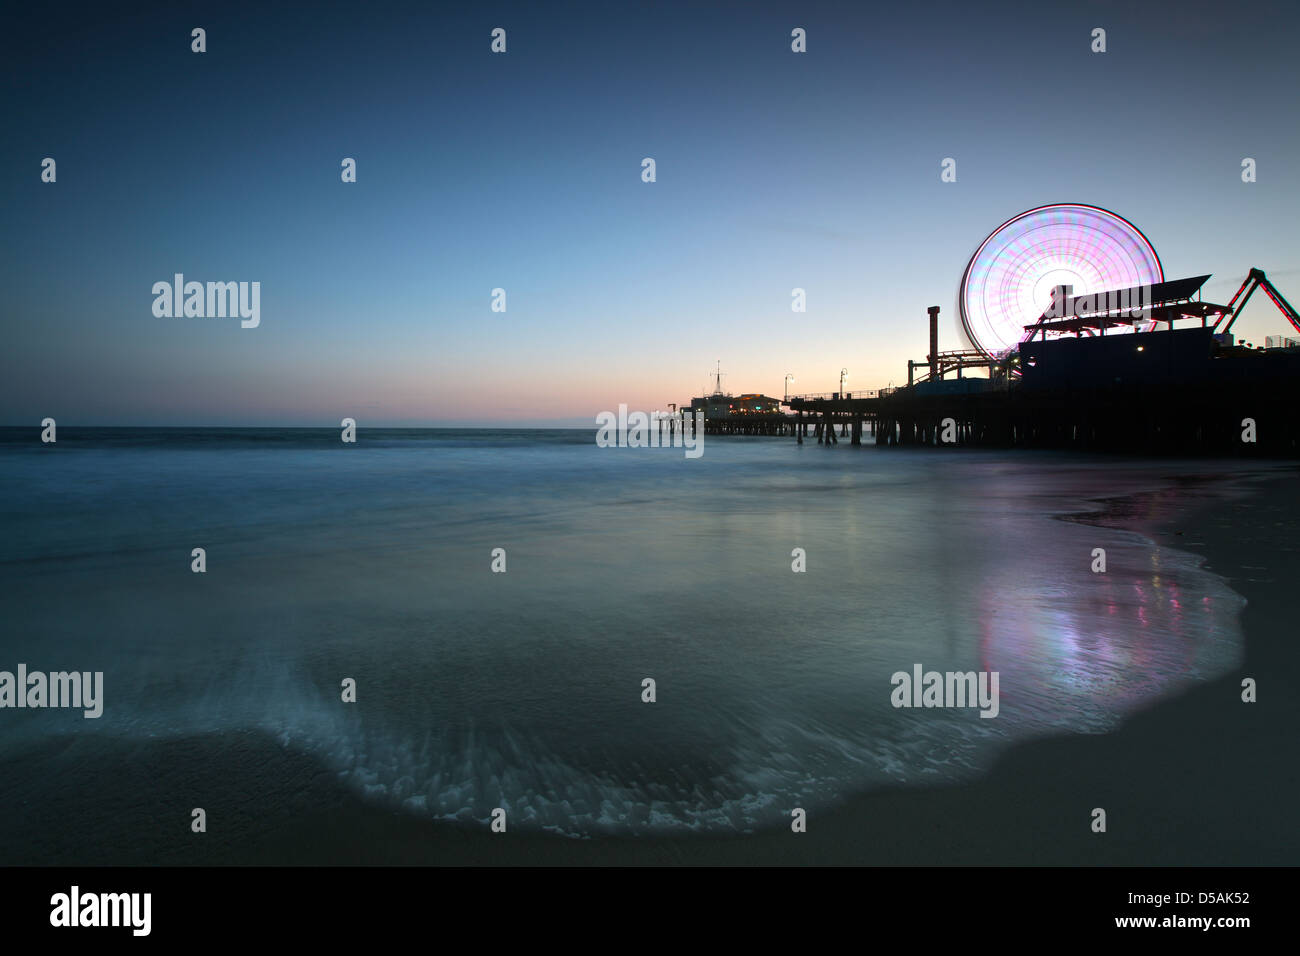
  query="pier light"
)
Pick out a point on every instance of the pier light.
point(788, 379)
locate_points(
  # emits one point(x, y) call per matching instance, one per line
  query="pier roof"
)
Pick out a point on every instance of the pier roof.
point(1160, 313)
point(1176, 290)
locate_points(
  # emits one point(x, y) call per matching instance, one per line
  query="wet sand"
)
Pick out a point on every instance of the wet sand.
point(1200, 779)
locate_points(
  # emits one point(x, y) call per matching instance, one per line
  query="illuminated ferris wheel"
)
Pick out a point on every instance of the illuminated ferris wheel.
point(1009, 281)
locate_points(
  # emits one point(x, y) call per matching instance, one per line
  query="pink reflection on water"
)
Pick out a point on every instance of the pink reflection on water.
point(1117, 642)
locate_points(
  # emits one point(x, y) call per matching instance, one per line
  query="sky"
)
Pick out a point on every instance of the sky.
point(522, 171)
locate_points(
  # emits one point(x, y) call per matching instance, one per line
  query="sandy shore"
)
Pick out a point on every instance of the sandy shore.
point(1202, 779)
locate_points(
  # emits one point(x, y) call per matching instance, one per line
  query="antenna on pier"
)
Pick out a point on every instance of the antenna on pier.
point(717, 379)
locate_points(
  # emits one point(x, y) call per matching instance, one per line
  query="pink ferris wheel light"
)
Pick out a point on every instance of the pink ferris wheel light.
point(1009, 280)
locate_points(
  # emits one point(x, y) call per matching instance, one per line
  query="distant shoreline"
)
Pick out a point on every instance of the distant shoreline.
point(28, 428)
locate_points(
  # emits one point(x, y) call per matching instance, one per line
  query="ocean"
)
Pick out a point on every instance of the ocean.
point(523, 690)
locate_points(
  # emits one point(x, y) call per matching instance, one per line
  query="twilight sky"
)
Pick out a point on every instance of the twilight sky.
point(523, 171)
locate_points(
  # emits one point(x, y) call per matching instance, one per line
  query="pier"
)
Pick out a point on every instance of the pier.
point(1247, 417)
point(1174, 382)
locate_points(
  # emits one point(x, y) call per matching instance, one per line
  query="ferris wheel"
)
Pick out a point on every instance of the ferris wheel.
point(1009, 281)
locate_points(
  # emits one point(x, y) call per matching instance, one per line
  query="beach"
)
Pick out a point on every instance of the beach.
point(1195, 777)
